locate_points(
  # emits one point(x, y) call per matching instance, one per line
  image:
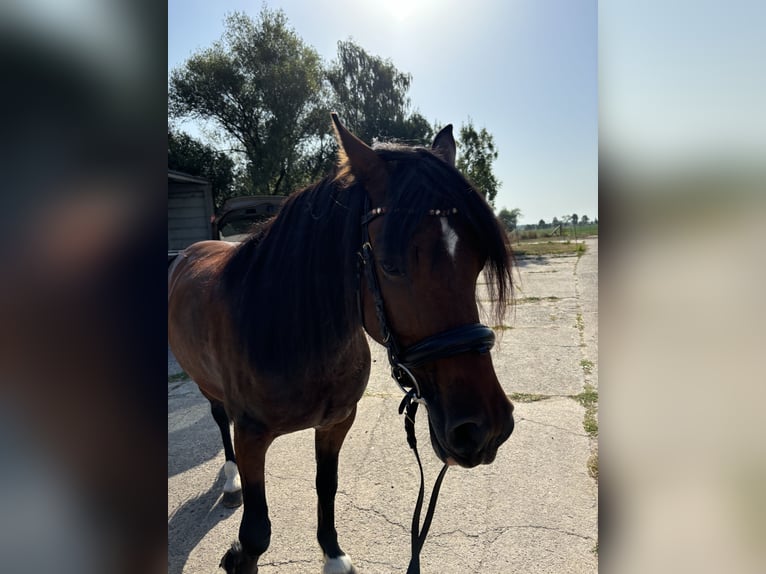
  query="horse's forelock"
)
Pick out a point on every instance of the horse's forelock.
point(420, 181)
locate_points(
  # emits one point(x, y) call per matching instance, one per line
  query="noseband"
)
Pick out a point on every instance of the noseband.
point(472, 337)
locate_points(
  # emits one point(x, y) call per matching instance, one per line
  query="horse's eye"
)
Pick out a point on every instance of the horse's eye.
point(391, 269)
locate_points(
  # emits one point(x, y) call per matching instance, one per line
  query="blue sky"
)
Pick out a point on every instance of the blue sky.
point(524, 69)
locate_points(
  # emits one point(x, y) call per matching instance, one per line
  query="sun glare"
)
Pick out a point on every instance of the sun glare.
point(401, 10)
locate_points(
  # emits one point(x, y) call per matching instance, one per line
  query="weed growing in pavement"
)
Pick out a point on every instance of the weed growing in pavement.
point(589, 399)
point(592, 465)
point(527, 397)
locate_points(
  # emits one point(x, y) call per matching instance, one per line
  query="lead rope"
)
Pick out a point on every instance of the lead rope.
point(409, 406)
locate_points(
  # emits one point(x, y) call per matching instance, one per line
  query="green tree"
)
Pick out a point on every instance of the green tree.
point(476, 153)
point(263, 87)
point(195, 158)
point(541, 224)
point(509, 219)
point(370, 95)
point(585, 220)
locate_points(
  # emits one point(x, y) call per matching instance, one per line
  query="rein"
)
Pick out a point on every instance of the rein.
point(473, 337)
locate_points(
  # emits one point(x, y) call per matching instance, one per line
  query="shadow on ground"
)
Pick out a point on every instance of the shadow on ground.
point(192, 521)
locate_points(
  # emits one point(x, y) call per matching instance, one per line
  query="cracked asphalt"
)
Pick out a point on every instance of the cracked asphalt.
point(534, 510)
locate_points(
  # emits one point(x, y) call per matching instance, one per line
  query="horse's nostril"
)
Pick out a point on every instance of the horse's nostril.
point(467, 437)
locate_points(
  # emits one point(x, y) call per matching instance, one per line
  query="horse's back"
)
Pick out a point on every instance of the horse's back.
point(196, 307)
point(197, 267)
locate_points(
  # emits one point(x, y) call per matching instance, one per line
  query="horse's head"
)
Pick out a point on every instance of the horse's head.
point(428, 234)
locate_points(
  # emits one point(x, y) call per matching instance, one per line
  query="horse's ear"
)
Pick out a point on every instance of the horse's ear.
point(444, 145)
point(359, 160)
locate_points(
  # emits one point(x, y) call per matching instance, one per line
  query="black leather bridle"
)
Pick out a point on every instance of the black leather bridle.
point(472, 337)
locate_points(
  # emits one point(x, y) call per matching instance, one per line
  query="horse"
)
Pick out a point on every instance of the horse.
point(390, 243)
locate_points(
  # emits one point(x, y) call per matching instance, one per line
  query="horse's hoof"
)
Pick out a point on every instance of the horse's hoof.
point(340, 565)
point(235, 561)
point(232, 499)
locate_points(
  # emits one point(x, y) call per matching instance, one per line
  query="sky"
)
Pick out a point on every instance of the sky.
point(526, 70)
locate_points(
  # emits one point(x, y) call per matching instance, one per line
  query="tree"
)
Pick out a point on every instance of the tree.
point(585, 220)
point(477, 152)
point(370, 95)
point(509, 219)
point(575, 219)
point(195, 158)
point(264, 88)
point(541, 224)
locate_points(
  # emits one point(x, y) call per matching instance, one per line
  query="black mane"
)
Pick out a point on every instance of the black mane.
point(293, 286)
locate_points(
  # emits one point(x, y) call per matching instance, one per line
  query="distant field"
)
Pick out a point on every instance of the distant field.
point(566, 233)
point(534, 248)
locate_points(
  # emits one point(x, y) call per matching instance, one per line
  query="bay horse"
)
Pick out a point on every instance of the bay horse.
point(273, 330)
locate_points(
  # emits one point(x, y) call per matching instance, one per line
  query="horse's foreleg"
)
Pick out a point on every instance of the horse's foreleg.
point(328, 443)
point(232, 489)
point(251, 442)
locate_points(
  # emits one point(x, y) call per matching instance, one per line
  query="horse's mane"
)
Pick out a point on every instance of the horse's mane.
point(293, 285)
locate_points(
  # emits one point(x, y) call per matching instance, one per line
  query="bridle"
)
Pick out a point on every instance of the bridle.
point(472, 337)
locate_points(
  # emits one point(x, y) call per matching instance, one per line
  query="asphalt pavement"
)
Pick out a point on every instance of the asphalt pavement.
point(534, 510)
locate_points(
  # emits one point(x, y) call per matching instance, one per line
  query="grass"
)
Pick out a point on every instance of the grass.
point(182, 376)
point(527, 397)
point(567, 232)
point(587, 366)
point(501, 327)
point(535, 299)
point(592, 465)
point(538, 249)
point(589, 399)
point(589, 423)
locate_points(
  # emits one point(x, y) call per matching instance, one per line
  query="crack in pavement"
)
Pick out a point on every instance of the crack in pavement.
point(498, 532)
point(286, 563)
point(373, 511)
point(571, 432)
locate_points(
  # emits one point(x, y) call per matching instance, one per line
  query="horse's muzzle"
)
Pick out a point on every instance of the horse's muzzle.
point(470, 443)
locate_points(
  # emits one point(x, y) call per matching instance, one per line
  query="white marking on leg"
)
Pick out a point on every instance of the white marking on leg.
point(450, 237)
point(340, 565)
point(231, 472)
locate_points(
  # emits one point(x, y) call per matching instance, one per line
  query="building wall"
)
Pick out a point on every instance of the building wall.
point(190, 210)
